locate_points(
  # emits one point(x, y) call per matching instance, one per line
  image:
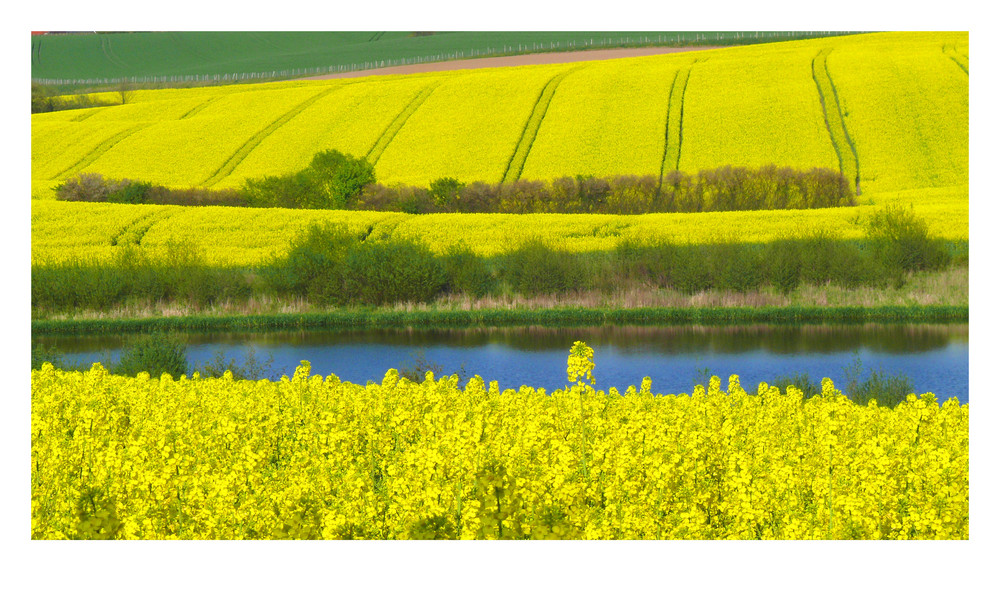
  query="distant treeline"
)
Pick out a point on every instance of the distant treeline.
point(327, 266)
point(44, 100)
point(334, 180)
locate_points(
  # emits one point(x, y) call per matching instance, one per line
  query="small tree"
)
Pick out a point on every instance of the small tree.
point(125, 91)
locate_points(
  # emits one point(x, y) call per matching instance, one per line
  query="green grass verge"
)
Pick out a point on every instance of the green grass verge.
point(369, 319)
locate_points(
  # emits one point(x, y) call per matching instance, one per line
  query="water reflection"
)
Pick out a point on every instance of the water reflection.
point(935, 357)
point(667, 340)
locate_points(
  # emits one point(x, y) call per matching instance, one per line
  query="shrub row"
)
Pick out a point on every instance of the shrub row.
point(334, 180)
point(45, 99)
point(721, 189)
point(328, 266)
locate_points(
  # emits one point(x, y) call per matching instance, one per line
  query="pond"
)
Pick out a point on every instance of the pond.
point(934, 357)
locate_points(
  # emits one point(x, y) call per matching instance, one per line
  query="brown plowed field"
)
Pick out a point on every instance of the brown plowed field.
point(530, 59)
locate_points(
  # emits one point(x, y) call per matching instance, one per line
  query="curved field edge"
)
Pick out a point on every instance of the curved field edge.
point(362, 319)
point(849, 80)
point(248, 236)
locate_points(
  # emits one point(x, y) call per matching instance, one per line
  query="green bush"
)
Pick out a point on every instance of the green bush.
point(445, 192)
point(390, 271)
point(534, 268)
point(131, 192)
point(137, 276)
point(339, 177)
point(900, 240)
point(735, 266)
point(784, 264)
point(801, 382)
point(332, 180)
point(691, 269)
point(154, 353)
point(887, 390)
point(468, 273)
point(250, 369)
point(315, 267)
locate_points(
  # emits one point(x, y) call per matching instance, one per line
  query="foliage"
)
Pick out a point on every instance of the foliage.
point(315, 457)
point(250, 368)
point(885, 389)
point(154, 354)
point(331, 181)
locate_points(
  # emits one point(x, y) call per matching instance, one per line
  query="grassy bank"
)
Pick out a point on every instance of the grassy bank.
point(386, 318)
point(948, 288)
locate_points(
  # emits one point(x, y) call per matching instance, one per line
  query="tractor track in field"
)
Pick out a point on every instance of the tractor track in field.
point(110, 54)
point(952, 53)
point(674, 127)
point(133, 232)
point(380, 144)
point(94, 154)
point(244, 150)
point(833, 116)
point(87, 114)
point(516, 162)
point(197, 108)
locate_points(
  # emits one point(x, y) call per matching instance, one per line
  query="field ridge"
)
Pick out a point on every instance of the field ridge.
point(516, 163)
point(227, 168)
point(833, 116)
point(390, 132)
point(98, 151)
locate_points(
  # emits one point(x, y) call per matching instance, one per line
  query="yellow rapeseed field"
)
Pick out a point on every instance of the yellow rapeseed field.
point(314, 457)
point(62, 231)
point(903, 97)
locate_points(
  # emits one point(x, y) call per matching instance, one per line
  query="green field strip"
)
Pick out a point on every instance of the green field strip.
point(98, 151)
point(197, 108)
point(263, 40)
point(516, 163)
point(397, 124)
point(227, 168)
point(961, 60)
point(110, 54)
point(847, 154)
